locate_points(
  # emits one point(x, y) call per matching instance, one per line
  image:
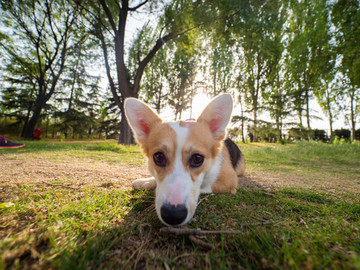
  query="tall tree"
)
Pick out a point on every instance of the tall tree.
point(79, 93)
point(153, 88)
point(222, 65)
point(346, 18)
point(328, 96)
point(255, 34)
point(307, 56)
point(180, 77)
point(46, 31)
point(111, 17)
point(275, 95)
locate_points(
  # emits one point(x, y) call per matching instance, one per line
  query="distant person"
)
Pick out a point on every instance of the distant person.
point(5, 143)
point(37, 133)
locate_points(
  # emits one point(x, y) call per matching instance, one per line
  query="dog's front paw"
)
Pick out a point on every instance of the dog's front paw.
point(145, 183)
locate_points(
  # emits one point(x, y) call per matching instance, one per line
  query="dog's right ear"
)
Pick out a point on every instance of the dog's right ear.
point(140, 117)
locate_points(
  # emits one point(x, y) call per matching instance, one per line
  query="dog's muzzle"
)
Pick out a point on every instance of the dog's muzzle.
point(173, 215)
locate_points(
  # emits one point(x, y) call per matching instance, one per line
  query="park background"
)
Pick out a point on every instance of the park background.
point(68, 65)
point(291, 66)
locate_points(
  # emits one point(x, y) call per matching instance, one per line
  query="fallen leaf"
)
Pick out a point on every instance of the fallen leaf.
point(6, 205)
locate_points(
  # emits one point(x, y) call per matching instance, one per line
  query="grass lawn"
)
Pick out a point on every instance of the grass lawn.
point(69, 205)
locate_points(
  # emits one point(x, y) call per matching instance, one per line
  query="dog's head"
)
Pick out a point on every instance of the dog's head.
point(180, 154)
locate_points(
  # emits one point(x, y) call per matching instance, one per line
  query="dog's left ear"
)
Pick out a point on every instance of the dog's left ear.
point(141, 118)
point(217, 115)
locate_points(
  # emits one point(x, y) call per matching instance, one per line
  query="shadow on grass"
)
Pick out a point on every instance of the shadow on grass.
point(136, 243)
point(104, 228)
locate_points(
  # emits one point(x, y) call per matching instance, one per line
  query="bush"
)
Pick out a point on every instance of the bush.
point(281, 141)
point(357, 134)
point(320, 135)
point(356, 142)
point(265, 133)
point(300, 134)
point(342, 133)
point(338, 140)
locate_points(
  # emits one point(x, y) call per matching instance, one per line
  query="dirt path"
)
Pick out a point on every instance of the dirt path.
point(78, 172)
point(69, 171)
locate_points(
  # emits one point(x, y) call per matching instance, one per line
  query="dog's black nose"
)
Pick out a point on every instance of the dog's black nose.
point(173, 215)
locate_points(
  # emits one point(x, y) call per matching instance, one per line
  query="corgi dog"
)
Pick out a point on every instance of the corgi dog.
point(186, 158)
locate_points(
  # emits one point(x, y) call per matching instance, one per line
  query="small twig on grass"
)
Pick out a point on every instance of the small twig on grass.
point(200, 243)
point(189, 231)
point(60, 185)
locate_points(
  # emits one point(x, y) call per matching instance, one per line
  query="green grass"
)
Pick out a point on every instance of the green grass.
point(101, 227)
point(106, 151)
point(307, 158)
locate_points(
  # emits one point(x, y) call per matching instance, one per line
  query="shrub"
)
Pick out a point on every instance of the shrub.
point(342, 133)
point(300, 133)
point(320, 135)
point(281, 141)
point(338, 140)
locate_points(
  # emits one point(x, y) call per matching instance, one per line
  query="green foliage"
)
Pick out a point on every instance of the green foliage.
point(346, 18)
point(180, 76)
point(342, 133)
point(309, 56)
point(47, 34)
point(275, 56)
point(265, 133)
point(301, 133)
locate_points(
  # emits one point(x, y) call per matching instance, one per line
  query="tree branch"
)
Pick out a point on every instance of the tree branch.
point(108, 15)
point(48, 12)
point(107, 67)
point(142, 64)
point(96, 17)
point(138, 6)
point(161, 41)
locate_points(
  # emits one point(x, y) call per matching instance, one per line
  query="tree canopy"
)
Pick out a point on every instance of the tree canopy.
point(275, 57)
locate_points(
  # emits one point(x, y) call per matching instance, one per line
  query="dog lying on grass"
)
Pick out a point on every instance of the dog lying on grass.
point(186, 158)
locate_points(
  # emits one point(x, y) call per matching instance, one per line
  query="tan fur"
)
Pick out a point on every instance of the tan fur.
point(144, 183)
point(206, 144)
point(227, 180)
point(200, 141)
point(240, 166)
point(162, 138)
point(181, 184)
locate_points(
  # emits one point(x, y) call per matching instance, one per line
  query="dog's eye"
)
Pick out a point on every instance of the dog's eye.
point(160, 159)
point(196, 160)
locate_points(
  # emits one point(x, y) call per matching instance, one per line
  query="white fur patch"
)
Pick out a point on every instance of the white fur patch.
point(176, 187)
point(212, 175)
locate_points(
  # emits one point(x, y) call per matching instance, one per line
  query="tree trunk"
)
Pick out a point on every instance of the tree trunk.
point(26, 122)
point(307, 109)
point(126, 136)
point(47, 126)
point(214, 83)
point(158, 101)
point(352, 113)
point(300, 117)
point(277, 122)
point(330, 114)
point(242, 122)
point(255, 120)
point(29, 128)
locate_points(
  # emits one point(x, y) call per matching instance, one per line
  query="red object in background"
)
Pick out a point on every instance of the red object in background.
point(37, 133)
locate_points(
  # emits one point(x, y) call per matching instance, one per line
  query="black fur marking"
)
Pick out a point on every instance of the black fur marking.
point(234, 151)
